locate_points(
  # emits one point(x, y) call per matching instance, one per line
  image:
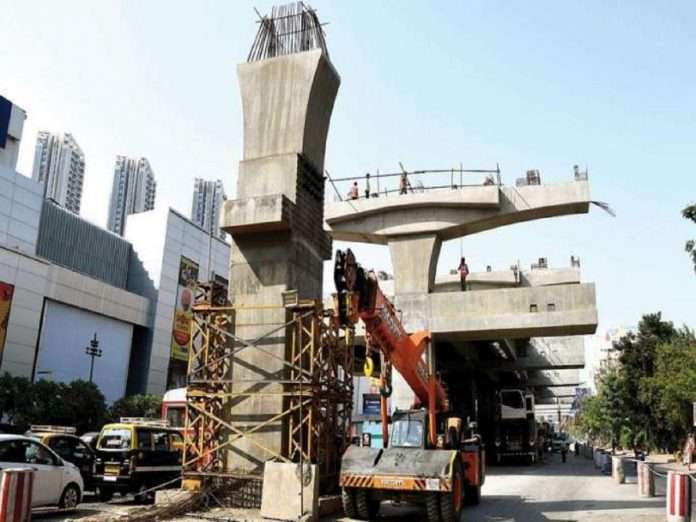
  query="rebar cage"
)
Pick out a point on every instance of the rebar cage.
point(316, 386)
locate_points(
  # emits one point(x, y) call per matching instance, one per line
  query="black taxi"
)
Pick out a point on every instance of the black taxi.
point(136, 455)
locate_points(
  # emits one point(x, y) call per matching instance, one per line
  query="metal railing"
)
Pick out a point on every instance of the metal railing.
point(410, 182)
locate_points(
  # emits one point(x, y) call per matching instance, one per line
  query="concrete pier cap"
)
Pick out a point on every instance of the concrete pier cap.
point(414, 225)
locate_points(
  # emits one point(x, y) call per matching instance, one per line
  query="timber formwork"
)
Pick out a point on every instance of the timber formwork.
point(316, 386)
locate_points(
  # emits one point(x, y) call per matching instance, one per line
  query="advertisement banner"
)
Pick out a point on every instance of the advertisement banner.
point(181, 329)
point(6, 293)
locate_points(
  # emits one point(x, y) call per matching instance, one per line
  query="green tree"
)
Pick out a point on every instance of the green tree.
point(672, 389)
point(136, 406)
point(15, 399)
point(690, 213)
point(637, 353)
point(87, 406)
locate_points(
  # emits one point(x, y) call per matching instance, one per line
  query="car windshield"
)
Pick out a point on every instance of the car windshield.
point(407, 433)
point(115, 438)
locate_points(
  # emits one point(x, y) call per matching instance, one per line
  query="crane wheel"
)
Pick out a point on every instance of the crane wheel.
point(348, 501)
point(367, 507)
point(472, 495)
point(432, 507)
point(451, 502)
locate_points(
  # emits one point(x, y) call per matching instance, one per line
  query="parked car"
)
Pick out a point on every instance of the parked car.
point(136, 455)
point(68, 446)
point(57, 482)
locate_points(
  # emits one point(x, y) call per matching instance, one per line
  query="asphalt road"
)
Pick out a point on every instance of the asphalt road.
point(549, 492)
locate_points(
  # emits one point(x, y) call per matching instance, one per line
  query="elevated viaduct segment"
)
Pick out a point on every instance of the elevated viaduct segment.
point(415, 225)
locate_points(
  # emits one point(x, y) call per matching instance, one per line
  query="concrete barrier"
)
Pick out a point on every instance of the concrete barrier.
point(678, 496)
point(15, 494)
point(646, 479)
point(606, 463)
point(617, 469)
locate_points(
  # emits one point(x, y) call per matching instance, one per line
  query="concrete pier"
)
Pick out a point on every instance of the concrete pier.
point(276, 227)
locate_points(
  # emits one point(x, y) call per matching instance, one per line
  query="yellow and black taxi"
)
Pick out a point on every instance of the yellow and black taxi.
point(136, 455)
point(65, 442)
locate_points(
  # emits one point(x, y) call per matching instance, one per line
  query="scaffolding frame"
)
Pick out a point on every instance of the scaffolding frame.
point(316, 387)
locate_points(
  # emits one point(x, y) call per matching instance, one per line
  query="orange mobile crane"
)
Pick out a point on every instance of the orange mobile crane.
point(427, 459)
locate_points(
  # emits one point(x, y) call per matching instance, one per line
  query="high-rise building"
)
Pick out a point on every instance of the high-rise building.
point(59, 165)
point(133, 191)
point(208, 197)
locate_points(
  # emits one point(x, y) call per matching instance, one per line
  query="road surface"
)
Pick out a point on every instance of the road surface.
point(549, 492)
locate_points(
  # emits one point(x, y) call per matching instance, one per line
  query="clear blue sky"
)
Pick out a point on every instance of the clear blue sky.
point(539, 85)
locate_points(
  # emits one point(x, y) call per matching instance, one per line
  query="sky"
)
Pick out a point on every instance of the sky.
point(543, 85)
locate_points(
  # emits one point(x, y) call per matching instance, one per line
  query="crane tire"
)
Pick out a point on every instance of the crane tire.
point(348, 501)
point(451, 502)
point(367, 507)
point(432, 507)
point(472, 495)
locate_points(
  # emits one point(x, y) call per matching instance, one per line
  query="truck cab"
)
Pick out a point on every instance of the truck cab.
point(516, 429)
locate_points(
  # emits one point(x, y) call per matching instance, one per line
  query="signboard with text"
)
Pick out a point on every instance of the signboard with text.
point(6, 293)
point(183, 314)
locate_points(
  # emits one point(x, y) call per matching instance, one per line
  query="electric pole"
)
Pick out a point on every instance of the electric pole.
point(93, 351)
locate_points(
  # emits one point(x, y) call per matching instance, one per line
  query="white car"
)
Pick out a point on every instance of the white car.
point(56, 481)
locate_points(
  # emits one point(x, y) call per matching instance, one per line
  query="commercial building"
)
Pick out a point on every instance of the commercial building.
point(133, 191)
point(208, 198)
point(59, 165)
point(64, 280)
point(170, 253)
point(11, 125)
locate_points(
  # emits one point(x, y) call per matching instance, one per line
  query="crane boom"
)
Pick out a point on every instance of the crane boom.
point(387, 332)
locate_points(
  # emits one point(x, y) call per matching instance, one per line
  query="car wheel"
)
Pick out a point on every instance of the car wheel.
point(70, 497)
point(144, 496)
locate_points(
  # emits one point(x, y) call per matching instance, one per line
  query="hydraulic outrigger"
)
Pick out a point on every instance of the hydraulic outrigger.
point(426, 460)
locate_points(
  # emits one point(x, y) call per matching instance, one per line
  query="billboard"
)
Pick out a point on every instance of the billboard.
point(6, 293)
point(181, 329)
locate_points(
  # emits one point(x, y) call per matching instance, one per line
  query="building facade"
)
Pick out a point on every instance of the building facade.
point(59, 165)
point(133, 191)
point(208, 198)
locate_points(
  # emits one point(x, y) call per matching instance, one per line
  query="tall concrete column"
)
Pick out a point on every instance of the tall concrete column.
point(414, 260)
point(276, 227)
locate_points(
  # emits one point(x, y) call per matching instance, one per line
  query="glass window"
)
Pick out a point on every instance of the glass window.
point(144, 439)
point(175, 416)
point(11, 451)
point(35, 453)
point(62, 446)
point(160, 440)
point(512, 399)
point(115, 439)
point(407, 433)
point(176, 441)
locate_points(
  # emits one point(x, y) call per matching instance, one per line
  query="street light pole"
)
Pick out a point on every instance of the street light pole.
point(93, 351)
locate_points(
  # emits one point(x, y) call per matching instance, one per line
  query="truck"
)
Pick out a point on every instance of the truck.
point(516, 427)
point(428, 458)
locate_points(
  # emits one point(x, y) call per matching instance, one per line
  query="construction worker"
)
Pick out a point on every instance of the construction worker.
point(367, 185)
point(463, 273)
point(354, 193)
point(403, 183)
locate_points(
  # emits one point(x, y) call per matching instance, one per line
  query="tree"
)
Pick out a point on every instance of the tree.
point(672, 388)
point(136, 406)
point(637, 353)
point(690, 213)
point(87, 405)
point(14, 398)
